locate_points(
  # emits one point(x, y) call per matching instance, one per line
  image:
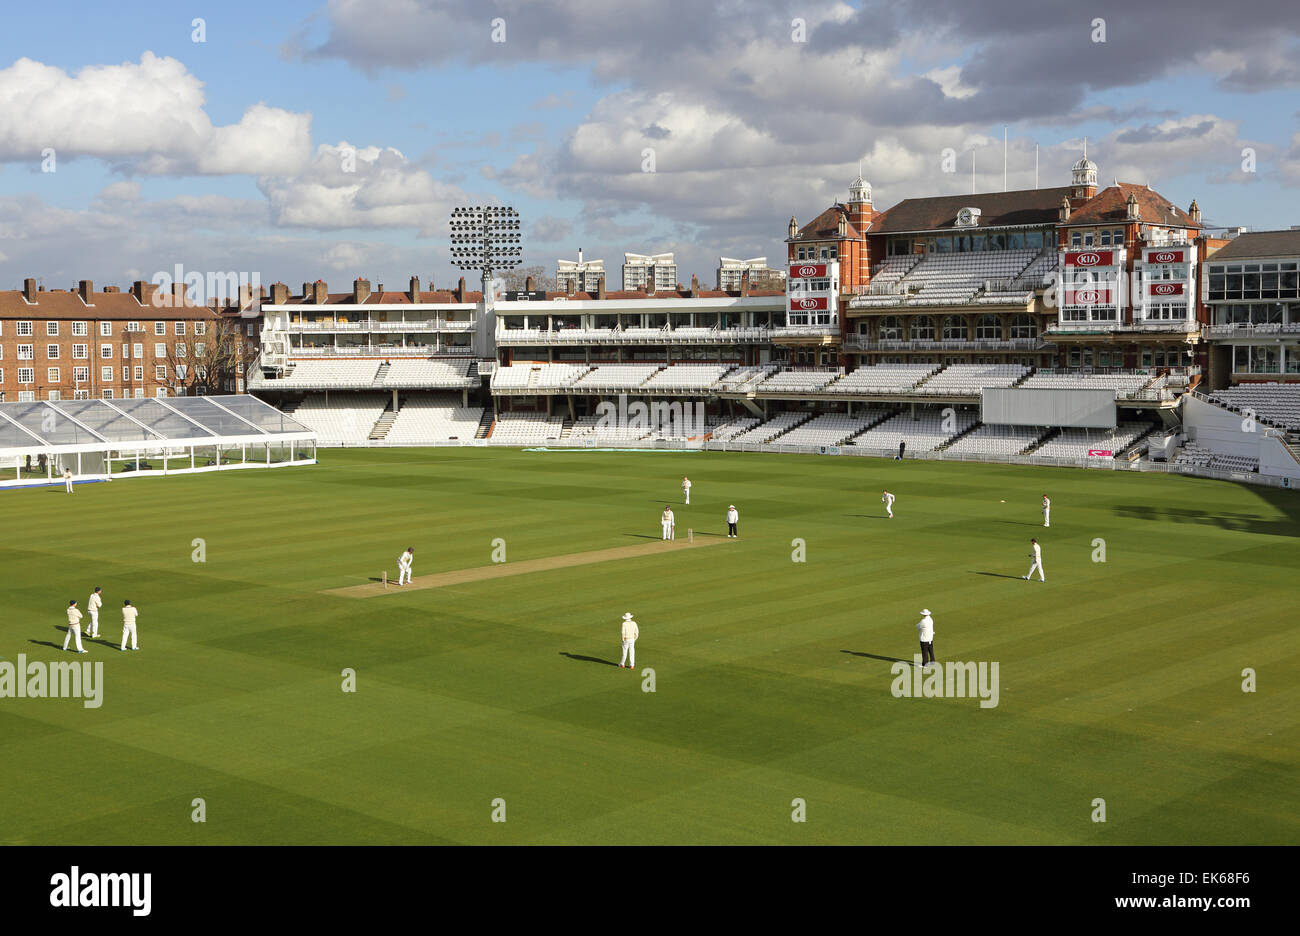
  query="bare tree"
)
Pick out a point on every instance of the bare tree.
point(208, 363)
point(516, 280)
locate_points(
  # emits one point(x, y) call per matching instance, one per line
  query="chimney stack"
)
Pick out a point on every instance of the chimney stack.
point(744, 284)
point(530, 284)
point(695, 286)
point(29, 289)
point(137, 290)
point(320, 292)
point(460, 290)
point(86, 290)
point(178, 295)
point(279, 294)
point(600, 286)
point(306, 290)
point(414, 294)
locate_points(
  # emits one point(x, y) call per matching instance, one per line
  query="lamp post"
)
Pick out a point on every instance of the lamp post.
point(485, 239)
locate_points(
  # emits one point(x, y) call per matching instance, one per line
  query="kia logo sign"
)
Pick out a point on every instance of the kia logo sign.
point(808, 303)
point(1164, 289)
point(1087, 259)
point(1167, 256)
point(804, 271)
point(1087, 296)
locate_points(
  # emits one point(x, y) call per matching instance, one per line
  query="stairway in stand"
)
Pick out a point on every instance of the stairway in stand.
point(383, 423)
point(485, 425)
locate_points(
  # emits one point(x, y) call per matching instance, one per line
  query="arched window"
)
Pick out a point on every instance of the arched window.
point(988, 328)
point(923, 328)
point(891, 328)
point(954, 328)
point(1024, 326)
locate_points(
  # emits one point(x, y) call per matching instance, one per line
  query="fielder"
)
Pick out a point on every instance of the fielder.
point(630, 633)
point(404, 563)
point(129, 613)
point(668, 522)
point(74, 626)
point(67, 480)
point(888, 500)
point(1037, 556)
point(733, 517)
point(686, 488)
point(93, 606)
point(1047, 511)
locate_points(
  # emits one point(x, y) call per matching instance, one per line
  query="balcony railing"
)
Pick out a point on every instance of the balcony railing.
point(416, 325)
point(631, 336)
point(1249, 330)
point(864, 343)
point(378, 351)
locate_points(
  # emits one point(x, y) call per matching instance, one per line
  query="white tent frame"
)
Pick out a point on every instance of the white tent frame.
point(180, 454)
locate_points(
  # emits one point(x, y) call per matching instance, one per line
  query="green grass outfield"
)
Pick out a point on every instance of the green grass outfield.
point(1119, 680)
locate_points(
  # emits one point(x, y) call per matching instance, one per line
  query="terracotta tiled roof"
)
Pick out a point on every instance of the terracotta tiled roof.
point(1111, 205)
point(1260, 244)
point(61, 304)
point(827, 225)
point(997, 209)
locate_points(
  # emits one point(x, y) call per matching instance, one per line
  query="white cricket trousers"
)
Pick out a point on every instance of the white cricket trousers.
point(94, 624)
point(1047, 516)
point(404, 575)
point(889, 508)
point(668, 529)
point(629, 653)
point(1039, 566)
point(128, 629)
point(69, 485)
point(74, 633)
point(687, 492)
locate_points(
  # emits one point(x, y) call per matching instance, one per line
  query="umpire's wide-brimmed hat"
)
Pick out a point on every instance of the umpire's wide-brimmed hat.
point(627, 616)
point(925, 611)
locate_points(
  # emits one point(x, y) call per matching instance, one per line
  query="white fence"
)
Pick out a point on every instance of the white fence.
point(1107, 464)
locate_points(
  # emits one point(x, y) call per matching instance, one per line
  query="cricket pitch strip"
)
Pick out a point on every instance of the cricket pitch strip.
point(505, 569)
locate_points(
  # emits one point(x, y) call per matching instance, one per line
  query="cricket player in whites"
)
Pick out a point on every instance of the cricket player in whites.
point(129, 613)
point(1037, 556)
point(668, 522)
point(630, 633)
point(888, 500)
point(74, 626)
point(686, 488)
point(67, 480)
point(93, 606)
point(404, 563)
point(1047, 511)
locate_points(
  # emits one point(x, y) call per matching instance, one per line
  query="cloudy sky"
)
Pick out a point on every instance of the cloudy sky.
point(330, 139)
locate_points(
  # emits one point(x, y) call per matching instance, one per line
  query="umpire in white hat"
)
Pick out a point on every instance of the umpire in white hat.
point(925, 628)
point(630, 633)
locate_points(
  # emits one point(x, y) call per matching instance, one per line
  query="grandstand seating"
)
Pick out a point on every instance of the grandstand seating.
point(346, 418)
point(433, 418)
point(341, 373)
point(416, 373)
point(830, 428)
point(545, 376)
point(950, 279)
point(526, 428)
point(591, 427)
point(1275, 403)
point(797, 381)
point(745, 377)
point(997, 440)
point(969, 379)
point(1199, 456)
point(922, 433)
point(1076, 443)
point(615, 376)
point(883, 378)
point(771, 428)
point(687, 377)
point(732, 428)
point(1122, 384)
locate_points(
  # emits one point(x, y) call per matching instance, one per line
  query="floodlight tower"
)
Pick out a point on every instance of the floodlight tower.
point(486, 239)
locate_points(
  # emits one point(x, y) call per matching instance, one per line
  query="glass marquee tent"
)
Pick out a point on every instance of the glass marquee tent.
point(98, 439)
